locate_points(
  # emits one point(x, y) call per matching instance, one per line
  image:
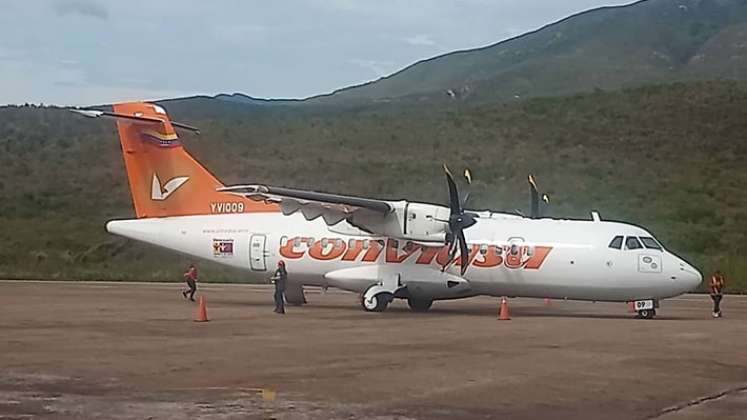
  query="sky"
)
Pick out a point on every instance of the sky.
point(83, 52)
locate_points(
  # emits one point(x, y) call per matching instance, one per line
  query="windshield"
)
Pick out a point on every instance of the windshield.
point(631, 242)
point(650, 243)
point(616, 242)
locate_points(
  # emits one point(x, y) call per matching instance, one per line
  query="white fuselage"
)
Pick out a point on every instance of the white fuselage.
point(511, 256)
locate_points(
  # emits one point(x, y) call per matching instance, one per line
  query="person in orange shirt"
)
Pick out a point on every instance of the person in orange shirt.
point(717, 284)
point(191, 277)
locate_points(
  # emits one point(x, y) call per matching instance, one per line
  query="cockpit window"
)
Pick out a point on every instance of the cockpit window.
point(650, 243)
point(631, 242)
point(616, 242)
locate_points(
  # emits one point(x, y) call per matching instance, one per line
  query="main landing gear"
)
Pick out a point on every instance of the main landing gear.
point(377, 302)
point(419, 305)
point(380, 301)
point(378, 296)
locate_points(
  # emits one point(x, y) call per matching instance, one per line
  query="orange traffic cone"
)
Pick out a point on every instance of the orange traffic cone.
point(503, 315)
point(631, 307)
point(548, 302)
point(201, 311)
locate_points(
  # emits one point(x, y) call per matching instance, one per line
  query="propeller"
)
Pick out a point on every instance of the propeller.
point(468, 177)
point(458, 221)
point(534, 212)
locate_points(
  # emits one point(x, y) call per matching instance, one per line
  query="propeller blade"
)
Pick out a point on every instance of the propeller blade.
point(466, 197)
point(534, 209)
point(452, 253)
point(464, 251)
point(468, 177)
point(454, 203)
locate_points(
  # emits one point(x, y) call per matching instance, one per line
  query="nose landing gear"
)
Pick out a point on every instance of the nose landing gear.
point(646, 314)
point(646, 309)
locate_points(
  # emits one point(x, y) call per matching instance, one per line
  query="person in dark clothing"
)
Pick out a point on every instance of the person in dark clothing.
point(717, 284)
point(191, 277)
point(280, 277)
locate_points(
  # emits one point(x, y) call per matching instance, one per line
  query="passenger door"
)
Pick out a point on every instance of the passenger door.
point(258, 252)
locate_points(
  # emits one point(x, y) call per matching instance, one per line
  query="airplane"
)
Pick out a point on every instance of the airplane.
point(380, 249)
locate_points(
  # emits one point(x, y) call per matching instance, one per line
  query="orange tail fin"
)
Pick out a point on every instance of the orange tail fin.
point(164, 179)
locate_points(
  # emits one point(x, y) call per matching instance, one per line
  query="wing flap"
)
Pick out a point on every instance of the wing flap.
point(279, 194)
point(333, 208)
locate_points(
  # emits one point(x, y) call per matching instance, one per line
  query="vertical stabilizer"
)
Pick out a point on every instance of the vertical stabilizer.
point(164, 179)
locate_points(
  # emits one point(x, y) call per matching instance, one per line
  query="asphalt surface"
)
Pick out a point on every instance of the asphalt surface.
point(132, 351)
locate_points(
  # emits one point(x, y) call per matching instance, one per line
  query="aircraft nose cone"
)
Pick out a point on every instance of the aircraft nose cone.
point(689, 276)
point(694, 278)
point(683, 277)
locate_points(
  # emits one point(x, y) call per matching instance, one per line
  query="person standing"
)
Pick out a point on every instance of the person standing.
point(191, 277)
point(717, 284)
point(280, 277)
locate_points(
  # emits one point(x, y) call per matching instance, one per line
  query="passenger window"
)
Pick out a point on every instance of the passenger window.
point(650, 243)
point(631, 242)
point(351, 243)
point(483, 249)
point(514, 249)
point(283, 241)
point(616, 242)
point(498, 250)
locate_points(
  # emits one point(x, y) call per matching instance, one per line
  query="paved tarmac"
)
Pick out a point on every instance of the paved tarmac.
point(132, 351)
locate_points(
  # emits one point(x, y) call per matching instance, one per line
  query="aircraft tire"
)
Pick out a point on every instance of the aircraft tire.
point(647, 314)
point(419, 305)
point(378, 302)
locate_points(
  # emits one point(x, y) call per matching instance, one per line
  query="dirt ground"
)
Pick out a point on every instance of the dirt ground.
point(132, 351)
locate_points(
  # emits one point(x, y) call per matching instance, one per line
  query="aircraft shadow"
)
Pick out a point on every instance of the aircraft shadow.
point(482, 311)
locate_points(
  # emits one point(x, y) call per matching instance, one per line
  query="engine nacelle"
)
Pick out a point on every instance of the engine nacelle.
point(424, 222)
point(418, 222)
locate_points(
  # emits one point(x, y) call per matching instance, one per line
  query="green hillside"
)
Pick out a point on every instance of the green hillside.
point(651, 41)
point(671, 158)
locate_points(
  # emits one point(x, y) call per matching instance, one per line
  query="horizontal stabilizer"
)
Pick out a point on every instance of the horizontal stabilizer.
point(94, 113)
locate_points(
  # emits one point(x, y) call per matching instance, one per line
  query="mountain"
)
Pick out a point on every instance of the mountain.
point(647, 42)
point(246, 99)
point(650, 41)
point(668, 157)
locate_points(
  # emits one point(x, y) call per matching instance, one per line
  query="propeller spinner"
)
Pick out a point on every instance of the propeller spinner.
point(458, 221)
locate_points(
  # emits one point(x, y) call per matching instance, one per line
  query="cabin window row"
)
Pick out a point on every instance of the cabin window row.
point(513, 249)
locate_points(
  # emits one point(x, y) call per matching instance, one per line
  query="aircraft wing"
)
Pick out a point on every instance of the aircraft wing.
point(363, 213)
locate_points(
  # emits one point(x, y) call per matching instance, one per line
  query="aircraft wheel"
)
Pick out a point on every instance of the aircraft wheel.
point(647, 313)
point(377, 302)
point(419, 305)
